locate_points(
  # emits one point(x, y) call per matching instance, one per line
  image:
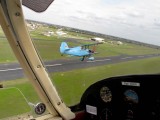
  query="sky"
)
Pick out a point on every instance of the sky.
point(137, 20)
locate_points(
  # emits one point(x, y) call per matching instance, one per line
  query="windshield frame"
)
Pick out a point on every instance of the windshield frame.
point(14, 27)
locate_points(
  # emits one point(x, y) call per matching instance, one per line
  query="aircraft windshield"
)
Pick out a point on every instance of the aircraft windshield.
point(81, 44)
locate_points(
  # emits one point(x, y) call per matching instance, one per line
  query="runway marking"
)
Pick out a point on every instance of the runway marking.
point(99, 60)
point(53, 65)
point(149, 55)
point(91, 61)
point(10, 69)
point(126, 58)
point(140, 56)
point(102, 60)
point(5, 70)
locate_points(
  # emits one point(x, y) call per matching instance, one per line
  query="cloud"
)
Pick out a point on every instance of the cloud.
point(105, 16)
point(134, 14)
point(157, 22)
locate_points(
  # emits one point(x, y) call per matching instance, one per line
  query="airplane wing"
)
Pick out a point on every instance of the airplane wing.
point(86, 46)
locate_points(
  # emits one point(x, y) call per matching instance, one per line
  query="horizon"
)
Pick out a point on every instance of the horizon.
point(125, 19)
point(102, 35)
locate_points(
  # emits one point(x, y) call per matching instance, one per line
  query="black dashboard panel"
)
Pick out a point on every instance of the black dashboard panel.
point(135, 97)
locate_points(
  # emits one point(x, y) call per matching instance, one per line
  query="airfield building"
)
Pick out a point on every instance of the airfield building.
point(100, 40)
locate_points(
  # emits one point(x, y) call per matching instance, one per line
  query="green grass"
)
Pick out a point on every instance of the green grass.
point(49, 50)
point(126, 48)
point(38, 32)
point(1, 32)
point(12, 103)
point(6, 54)
point(72, 84)
point(26, 88)
point(48, 47)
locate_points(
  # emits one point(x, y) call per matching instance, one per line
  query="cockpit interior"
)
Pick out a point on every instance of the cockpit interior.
point(125, 97)
point(111, 78)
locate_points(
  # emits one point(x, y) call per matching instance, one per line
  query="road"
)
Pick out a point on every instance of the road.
point(14, 71)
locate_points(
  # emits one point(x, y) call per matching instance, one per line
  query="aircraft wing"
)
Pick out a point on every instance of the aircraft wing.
point(86, 46)
point(67, 49)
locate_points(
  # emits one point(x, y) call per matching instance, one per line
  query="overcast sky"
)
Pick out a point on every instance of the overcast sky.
point(133, 19)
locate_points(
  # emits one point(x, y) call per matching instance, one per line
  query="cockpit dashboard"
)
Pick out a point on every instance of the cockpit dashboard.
point(134, 97)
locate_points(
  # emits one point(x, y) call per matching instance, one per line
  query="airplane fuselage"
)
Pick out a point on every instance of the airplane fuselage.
point(77, 51)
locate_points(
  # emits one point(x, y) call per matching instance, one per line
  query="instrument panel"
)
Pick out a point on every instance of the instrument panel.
point(135, 97)
point(105, 94)
point(131, 96)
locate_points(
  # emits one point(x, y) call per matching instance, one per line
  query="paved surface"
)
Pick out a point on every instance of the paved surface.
point(14, 71)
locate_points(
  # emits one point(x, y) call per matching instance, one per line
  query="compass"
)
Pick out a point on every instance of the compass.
point(40, 108)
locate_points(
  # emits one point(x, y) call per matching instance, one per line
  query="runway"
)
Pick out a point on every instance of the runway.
point(14, 71)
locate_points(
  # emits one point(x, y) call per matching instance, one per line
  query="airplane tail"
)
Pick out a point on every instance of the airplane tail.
point(63, 47)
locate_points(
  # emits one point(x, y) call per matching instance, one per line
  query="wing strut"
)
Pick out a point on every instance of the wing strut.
point(82, 59)
point(14, 27)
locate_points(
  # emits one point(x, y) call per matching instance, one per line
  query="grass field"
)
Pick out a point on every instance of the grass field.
point(49, 50)
point(70, 89)
point(12, 103)
point(85, 77)
point(48, 47)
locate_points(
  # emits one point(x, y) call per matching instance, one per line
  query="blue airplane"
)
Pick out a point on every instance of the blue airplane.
point(80, 51)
